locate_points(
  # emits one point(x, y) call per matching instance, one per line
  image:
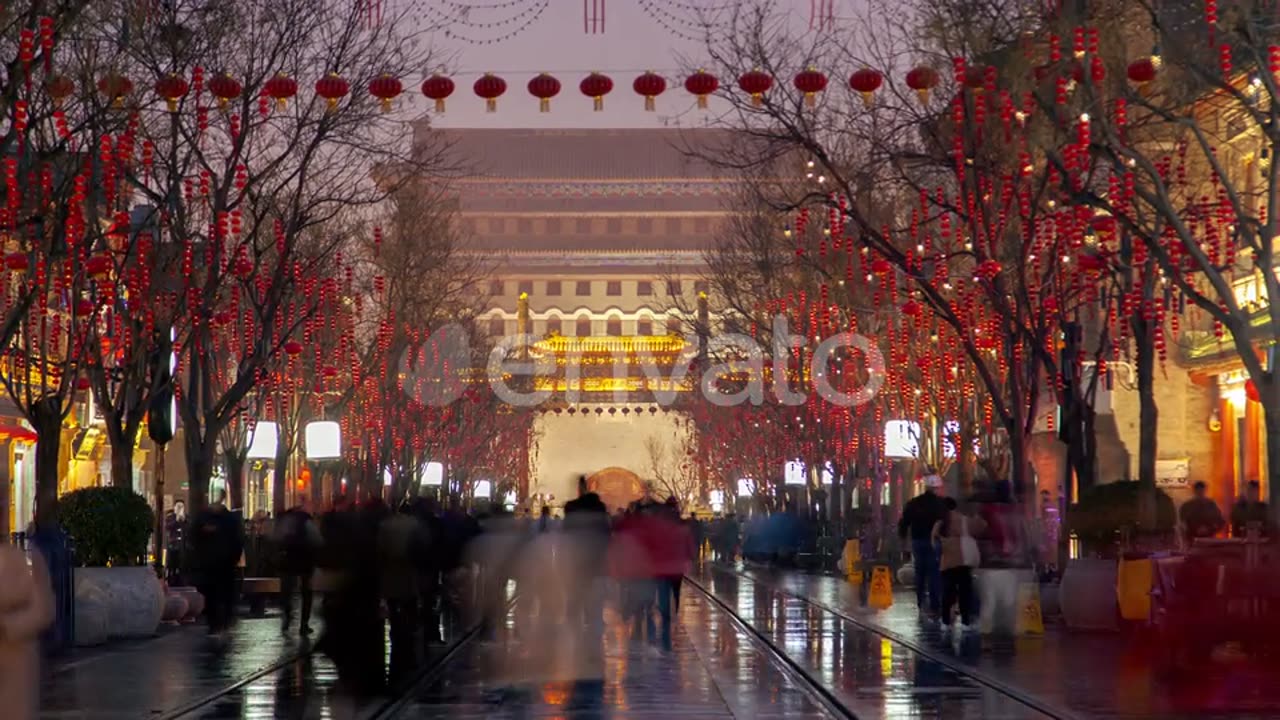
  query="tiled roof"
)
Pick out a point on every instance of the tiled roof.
point(593, 154)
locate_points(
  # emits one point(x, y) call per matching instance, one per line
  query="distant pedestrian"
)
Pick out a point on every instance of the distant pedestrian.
point(1200, 516)
point(954, 535)
point(217, 543)
point(919, 516)
point(298, 540)
point(1250, 513)
point(175, 540)
point(26, 609)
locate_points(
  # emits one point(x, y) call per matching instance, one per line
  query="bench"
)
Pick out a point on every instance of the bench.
point(256, 590)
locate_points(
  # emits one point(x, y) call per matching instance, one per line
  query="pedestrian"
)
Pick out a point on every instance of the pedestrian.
point(919, 516)
point(217, 543)
point(298, 540)
point(954, 535)
point(587, 528)
point(1250, 513)
point(175, 536)
point(1200, 516)
point(26, 609)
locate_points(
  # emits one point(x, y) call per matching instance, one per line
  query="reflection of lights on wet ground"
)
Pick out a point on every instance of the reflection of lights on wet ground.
point(886, 658)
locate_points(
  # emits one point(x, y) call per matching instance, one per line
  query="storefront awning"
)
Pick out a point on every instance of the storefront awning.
point(16, 429)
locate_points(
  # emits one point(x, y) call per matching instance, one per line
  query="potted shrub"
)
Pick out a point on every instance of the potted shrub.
point(116, 594)
point(1107, 521)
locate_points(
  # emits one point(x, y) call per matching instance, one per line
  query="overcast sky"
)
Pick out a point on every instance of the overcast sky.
point(525, 37)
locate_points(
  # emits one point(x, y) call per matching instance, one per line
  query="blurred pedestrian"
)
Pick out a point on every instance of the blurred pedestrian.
point(919, 516)
point(954, 534)
point(587, 529)
point(298, 540)
point(175, 540)
point(1200, 516)
point(217, 543)
point(1250, 513)
point(26, 609)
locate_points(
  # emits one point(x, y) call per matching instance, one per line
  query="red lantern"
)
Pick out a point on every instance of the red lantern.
point(225, 88)
point(490, 87)
point(82, 383)
point(811, 82)
point(115, 87)
point(912, 309)
point(172, 88)
point(881, 266)
point(922, 79)
point(293, 348)
point(84, 307)
point(60, 87)
point(386, 88)
point(281, 88)
point(975, 78)
point(1251, 390)
point(596, 86)
point(866, 82)
point(544, 87)
point(332, 88)
point(701, 84)
point(650, 85)
point(1142, 71)
point(755, 83)
point(98, 266)
point(17, 262)
point(438, 88)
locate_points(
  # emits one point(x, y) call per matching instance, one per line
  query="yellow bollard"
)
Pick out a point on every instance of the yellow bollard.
point(881, 595)
point(1030, 620)
point(852, 561)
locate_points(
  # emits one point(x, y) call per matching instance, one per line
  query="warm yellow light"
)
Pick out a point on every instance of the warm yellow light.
point(1237, 397)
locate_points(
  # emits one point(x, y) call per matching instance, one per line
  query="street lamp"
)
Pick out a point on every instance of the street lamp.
point(264, 441)
point(323, 440)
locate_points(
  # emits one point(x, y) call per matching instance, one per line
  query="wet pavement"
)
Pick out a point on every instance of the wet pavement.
point(1087, 675)
point(713, 669)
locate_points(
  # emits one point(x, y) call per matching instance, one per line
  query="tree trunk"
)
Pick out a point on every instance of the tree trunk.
point(280, 480)
point(1270, 393)
point(1148, 414)
point(158, 537)
point(46, 417)
point(122, 464)
point(235, 479)
point(199, 470)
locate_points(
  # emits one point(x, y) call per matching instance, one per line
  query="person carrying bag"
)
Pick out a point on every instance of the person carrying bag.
point(960, 555)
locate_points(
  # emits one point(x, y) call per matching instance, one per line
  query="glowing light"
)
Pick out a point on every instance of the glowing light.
point(323, 440)
point(901, 439)
point(744, 487)
point(793, 473)
point(264, 441)
point(433, 474)
point(483, 489)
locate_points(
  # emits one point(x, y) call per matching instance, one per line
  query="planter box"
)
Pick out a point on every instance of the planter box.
point(1087, 594)
point(117, 603)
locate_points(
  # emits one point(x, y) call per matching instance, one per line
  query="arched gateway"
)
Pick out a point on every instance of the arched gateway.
point(616, 486)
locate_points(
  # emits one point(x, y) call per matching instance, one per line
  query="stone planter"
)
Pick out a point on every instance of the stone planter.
point(175, 607)
point(117, 603)
point(195, 602)
point(907, 576)
point(1087, 594)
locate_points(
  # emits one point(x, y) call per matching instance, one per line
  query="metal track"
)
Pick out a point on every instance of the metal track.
point(820, 693)
point(979, 677)
point(213, 697)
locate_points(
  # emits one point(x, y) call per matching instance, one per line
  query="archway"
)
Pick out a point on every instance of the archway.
point(616, 486)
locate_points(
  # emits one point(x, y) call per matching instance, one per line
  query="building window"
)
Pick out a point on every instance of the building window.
point(674, 288)
point(644, 326)
point(700, 286)
point(497, 327)
point(613, 288)
point(583, 328)
point(554, 326)
point(553, 288)
point(495, 288)
point(614, 326)
point(525, 287)
point(583, 288)
point(673, 326)
point(644, 288)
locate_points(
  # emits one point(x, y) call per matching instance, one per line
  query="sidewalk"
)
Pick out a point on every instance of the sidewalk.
point(154, 676)
point(1098, 675)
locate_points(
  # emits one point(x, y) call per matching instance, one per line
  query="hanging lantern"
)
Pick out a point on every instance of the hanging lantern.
point(881, 266)
point(596, 86)
point(701, 84)
point(1142, 71)
point(975, 78)
point(293, 348)
point(544, 87)
point(912, 309)
point(650, 85)
point(438, 88)
point(332, 88)
point(225, 88)
point(386, 88)
point(17, 262)
point(922, 79)
point(490, 87)
point(172, 88)
point(811, 82)
point(60, 87)
point(755, 83)
point(84, 307)
point(115, 87)
point(281, 88)
point(866, 82)
point(98, 267)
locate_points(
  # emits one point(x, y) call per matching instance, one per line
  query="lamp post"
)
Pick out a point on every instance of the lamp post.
point(323, 441)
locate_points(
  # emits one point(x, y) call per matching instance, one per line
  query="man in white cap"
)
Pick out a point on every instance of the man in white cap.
point(918, 518)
